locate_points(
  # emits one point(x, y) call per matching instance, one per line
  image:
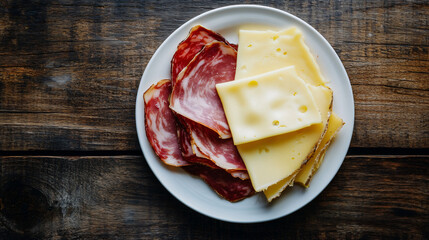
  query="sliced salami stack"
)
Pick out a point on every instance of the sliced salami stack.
point(184, 118)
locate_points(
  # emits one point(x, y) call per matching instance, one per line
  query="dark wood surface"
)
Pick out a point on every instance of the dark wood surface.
point(70, 164)
point(119, 197)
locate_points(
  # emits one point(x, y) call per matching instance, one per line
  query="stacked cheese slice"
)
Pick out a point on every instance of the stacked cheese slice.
point(279, 109)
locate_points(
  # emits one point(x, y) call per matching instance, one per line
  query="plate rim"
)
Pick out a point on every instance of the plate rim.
point(140, 120)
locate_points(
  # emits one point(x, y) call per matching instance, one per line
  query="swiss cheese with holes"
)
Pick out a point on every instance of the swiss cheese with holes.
point(264, 51)
point(273, 159)
point(276, 132)
point(267, 105)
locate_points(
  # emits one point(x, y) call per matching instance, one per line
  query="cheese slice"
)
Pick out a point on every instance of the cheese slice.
point(308, 170)
point(273, 159)
point(267, 105)
point(263, 51)
point(320, 159)
point(275, 190)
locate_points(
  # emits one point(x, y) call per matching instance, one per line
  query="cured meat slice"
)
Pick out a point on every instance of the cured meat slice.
point(235, 46)
point(221, 151)
point(184, 142)
point(189, 155)
point(187, 152)
point(160, 124)
point(231, 188)
point(203, 161)
point(242, 174)
point(188, 48)
point(194, 95)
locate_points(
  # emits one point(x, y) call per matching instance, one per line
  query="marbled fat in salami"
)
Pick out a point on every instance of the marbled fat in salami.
point(242, 174)
point(194, 95)
point(188, 48)
point(231, 188)
point(160, 124)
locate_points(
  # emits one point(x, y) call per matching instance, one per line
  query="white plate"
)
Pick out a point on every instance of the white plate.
point(192, 191)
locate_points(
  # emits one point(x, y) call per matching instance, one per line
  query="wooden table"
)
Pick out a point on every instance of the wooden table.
point(70, 162)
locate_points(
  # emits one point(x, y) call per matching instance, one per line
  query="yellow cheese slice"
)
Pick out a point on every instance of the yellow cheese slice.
point(273, 159)
point(263, 51)
point(267, 105)
point(305, 174)
point(320, 159)
point(275, 190)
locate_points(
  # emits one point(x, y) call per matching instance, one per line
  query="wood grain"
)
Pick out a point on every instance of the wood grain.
point(69, 70)
point(119, 197)
point(69, 73)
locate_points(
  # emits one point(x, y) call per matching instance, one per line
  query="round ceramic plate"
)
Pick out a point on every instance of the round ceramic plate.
point(192, 191)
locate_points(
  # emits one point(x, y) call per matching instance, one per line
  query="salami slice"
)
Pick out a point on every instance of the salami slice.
point(222, 152)
point(188, 48)
point(184, 142)
point(160, 124)
point(187, 152)
point(235, 46)
point(192, 154)
point(194, 95)
point(231, 188)
point(242, 174)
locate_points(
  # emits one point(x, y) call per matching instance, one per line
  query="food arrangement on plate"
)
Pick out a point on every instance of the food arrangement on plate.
point(249, 117)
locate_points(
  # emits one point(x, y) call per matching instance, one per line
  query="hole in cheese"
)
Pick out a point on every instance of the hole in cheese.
point(275, 37)
point(253, 83)
point(278, 49)
point(250, 45)
point(276, 123)
point(261, 150)
point(252, 118)
point(303, 109)
point(284, 53)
